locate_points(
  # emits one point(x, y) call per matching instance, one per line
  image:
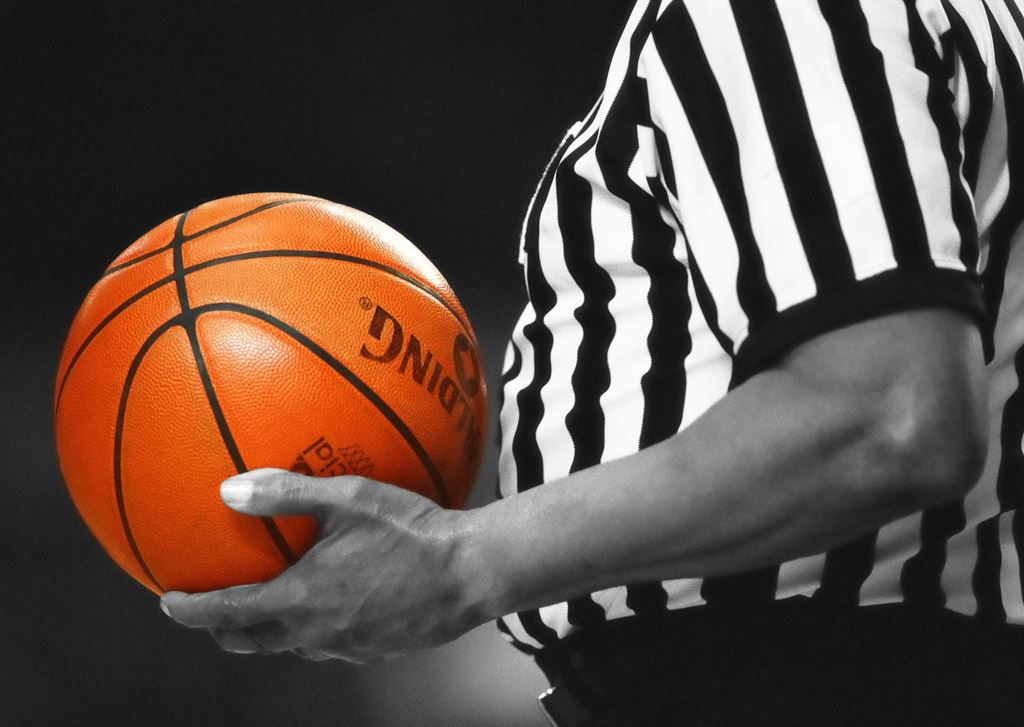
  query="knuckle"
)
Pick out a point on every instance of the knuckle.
point(354, 486)
point(283, 486)
point(299, 490)
point(308, 490)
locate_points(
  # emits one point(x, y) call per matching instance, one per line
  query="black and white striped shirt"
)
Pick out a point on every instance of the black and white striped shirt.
point(756, 173)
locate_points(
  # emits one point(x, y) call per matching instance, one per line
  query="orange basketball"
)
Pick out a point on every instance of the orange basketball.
point(263, 330)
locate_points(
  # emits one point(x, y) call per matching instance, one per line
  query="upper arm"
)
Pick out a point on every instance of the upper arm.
point(916, 381)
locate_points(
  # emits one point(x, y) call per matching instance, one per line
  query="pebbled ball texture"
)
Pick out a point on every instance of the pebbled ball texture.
point(262, 330)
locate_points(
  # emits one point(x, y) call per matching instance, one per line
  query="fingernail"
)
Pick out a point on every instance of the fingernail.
point(236, 492)
point(163, 607)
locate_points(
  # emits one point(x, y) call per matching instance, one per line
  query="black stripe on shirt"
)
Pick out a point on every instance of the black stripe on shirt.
point(508, 375)
point(514, 368)
point(747, 590)
point(665, 161)
point(1018, 538)
point(525, 648)
point(940, 107)
point(863, 71)
point(921, 577)
point(536, 628)
point(590, 377)
point(701, 292)
point(786, 118)
point(663, 152)
point(1015, 13)
point(669, 341)
point(585, 421)
point(679, 47)
point(846, 569)
point(979, 92)
point(985, 580)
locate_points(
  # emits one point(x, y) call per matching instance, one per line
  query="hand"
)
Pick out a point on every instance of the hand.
point(380, 582)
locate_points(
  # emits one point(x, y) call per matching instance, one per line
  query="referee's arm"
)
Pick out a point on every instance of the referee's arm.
point(851, 430)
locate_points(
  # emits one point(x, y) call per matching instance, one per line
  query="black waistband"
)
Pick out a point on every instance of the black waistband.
point(721, 652)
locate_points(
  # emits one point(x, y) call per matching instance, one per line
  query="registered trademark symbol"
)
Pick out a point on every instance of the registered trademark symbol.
point(365, 303)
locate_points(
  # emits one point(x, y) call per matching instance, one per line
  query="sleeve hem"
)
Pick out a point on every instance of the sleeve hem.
point(888, 292)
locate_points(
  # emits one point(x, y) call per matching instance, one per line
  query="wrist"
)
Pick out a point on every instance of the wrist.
point(480, 583)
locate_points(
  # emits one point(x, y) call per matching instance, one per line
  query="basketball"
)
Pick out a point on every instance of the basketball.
point(261, 330)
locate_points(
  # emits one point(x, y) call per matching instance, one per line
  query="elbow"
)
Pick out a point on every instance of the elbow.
point(929, 449)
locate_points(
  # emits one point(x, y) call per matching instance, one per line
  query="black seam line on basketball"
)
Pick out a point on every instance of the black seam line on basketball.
point(313, 347)
point(99, 327)
point(200, 233)
point(179, 265)
point(325, 255)
point(227, 438)
point(189, 323)
point(255, 255)
point(122, 409)
point(256, 210)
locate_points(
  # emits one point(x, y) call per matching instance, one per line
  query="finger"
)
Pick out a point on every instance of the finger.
point(230, 608)
point(271, 637)
point(279, 492)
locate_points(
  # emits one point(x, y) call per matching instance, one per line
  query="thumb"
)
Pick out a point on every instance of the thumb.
point(271, 491)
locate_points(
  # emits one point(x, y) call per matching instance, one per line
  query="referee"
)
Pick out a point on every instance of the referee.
point(763, 413)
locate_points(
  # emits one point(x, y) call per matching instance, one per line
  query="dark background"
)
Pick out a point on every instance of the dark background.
point(437, 117)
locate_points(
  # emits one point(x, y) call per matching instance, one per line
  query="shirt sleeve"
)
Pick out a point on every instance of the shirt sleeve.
point(811, 153)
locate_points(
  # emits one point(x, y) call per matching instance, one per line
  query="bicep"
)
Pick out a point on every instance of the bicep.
point(917, 380)
point(931, 351)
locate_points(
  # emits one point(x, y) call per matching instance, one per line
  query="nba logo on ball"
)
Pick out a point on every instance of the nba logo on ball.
point(236, 336)
point(322, 459)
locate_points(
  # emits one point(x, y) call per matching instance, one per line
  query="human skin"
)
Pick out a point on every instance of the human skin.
point(852, 429)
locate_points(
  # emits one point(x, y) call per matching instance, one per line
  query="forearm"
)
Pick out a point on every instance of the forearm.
point(758, 480)
point(776, 470)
